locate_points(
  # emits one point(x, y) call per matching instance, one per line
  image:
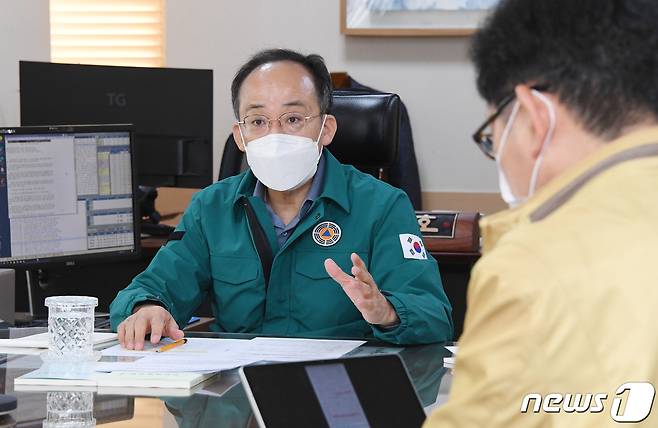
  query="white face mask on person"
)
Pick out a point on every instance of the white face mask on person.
point(505, 190)
point(282, 161)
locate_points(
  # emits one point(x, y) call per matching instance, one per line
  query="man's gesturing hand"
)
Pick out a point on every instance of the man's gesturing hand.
point(363, 292)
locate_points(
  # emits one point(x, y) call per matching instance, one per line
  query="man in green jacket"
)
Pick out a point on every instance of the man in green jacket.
point(346, 255)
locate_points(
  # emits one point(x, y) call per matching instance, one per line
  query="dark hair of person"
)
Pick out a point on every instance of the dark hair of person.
point(314, 64)
point(599, 57)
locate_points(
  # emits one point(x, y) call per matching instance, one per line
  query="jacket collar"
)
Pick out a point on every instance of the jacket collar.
point(559, 191)
point(335, 183)
point(336, 187)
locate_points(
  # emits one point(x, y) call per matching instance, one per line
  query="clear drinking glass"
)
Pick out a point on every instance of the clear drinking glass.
point(70, 327)
point(69, 409)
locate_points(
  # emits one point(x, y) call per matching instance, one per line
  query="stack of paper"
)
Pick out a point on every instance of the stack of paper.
point(292, 349)
point(197, 355)
point(449, 362)
point(38, 343)
point(124, 383)
point(186, 365)
point(41, 340)
point(213, 355)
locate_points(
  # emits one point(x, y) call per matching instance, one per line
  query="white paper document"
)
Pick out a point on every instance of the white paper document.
point(212, 355)
point(292, 349)
point(21, 351)
point(156, 364)
point(449, 362)
point(40, 340)
point(195, 347)
point(197, 355)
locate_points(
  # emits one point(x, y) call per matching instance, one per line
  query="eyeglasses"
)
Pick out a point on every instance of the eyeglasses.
point(483, 139)
point(257, 125)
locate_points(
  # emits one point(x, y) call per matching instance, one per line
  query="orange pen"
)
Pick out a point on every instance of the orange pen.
point(171, 345)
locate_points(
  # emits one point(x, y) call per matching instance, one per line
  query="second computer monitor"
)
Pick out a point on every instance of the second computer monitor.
point(171, 109)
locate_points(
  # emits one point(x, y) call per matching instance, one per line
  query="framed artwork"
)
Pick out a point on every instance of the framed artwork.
point(412, 17)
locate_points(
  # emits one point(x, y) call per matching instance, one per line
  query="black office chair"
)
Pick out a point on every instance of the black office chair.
point(367, 135)
point(233, 160)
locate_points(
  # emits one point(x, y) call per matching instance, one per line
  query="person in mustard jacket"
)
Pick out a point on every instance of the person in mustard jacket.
point(346, 255)
point(560, 329)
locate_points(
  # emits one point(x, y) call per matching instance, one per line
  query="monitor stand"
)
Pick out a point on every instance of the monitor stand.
point(150, 216)
point(38, 284)
point(160, 230)
point(42, 283)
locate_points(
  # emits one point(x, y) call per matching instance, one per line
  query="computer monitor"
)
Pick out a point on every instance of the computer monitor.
point(171, 109)
point(67, 196)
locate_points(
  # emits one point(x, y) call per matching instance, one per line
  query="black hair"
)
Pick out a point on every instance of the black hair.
point(599, 57)
point(313, 63)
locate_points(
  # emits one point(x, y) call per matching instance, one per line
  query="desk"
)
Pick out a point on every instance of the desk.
point(222, 402)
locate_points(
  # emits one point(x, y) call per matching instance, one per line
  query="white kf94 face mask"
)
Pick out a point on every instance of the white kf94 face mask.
point(284, 162)
point(505, 190)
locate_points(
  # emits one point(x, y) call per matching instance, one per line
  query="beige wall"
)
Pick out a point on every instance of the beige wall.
point(24, 34)
point(482, 202)
point(432, 75)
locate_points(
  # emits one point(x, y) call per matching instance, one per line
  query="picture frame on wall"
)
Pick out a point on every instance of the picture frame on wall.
point(412, 17)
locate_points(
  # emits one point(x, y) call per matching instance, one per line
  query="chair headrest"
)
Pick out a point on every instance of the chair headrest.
point(368, 128)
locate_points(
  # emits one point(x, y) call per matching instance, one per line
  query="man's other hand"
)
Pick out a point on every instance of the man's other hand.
point(146, 319)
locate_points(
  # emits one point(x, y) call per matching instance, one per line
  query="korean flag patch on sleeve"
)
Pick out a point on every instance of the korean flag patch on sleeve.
point(412, 247)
